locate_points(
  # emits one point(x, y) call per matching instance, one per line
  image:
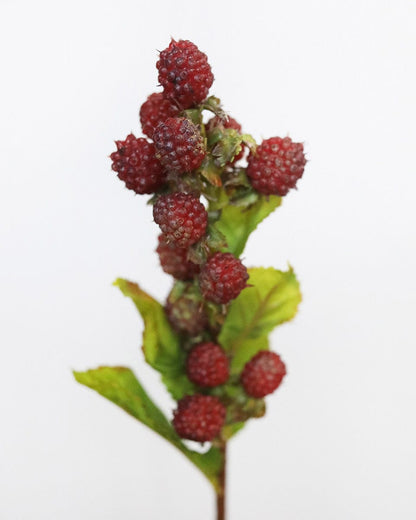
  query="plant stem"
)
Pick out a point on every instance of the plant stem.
point(221, 494)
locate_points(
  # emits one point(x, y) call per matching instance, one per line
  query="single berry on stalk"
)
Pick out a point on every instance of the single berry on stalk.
point(156, 109)
point(184, 73)
point(182, 218)
point(263, 374)
point(186, 313)
point(174, 260)
point(136, 165)
point(179, 145)
point(276, 166)
point(222, 278)
point(199, 417)
point(207, 365)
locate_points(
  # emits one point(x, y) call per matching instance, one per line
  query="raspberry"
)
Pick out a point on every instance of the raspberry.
point(226, 123)
point(181, 217)
point(276, 166)
point(156, 109)
point(174, 260)
point(186, 313)
point(184, 73)
point(199, 417)
point(207, 365)
point(179, 145)
point(222, 278)
point(263, 374)
point(137, 165)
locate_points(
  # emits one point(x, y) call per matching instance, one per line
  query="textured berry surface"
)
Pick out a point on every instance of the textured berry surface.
point(179, 145)
point(263, 374)
point(181, 217)
point(230, 122)
point(136, 165)
point(156, 109)
point(199, 417)
point(186, 314)
point(276, 166)
point(184, 73)
point(222, 278)
point(174, 261)
point(207, 365)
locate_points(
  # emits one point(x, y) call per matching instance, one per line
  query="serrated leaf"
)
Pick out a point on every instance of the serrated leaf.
point(272, 299)
point(120, 386)
point(237, 223)
point(161, 346)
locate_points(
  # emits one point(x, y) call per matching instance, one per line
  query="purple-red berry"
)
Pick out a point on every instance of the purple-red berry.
point(186, 313)
point(156, 109)
point(174, 260)
point(263, 374)
point(207, 365)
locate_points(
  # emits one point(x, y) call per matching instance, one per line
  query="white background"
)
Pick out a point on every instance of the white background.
point(338, 441)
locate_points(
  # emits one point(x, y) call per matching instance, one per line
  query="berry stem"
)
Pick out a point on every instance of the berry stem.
point(221, 494)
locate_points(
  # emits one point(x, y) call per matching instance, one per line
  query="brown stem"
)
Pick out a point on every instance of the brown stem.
point(221, 494)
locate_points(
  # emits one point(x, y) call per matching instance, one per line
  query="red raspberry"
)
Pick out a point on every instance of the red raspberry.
point(276, 166)
point(174, 260)
point(263, 374)
point(222, 278)
point(199, 417)
point(137, 165)
point(181, 217)
point(184, 73)
point(156, 109)
point(207, 365)
point(226, 123)
point(179, 145)
point(186, 313)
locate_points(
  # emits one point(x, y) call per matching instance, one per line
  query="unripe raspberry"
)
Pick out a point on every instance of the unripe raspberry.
point(263, 374)
point(184, 73)
point(156, 109)
point(276, 166)
point(199, 417)
point(136, 165)
point(181, 217)
point(179, 145)
point(186, 313)
point(174, 260)
point(222, 278)
point(229, 122)
point(207, 365)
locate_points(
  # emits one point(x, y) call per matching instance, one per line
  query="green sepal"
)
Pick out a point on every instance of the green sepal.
point(120, 386)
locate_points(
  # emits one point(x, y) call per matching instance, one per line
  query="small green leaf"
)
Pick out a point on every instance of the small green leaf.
point(237, 223)
point(272, 299)
point(227, 147)
point(120, 386)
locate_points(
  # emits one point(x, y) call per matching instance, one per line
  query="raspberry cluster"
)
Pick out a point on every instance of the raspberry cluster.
point(180, 160)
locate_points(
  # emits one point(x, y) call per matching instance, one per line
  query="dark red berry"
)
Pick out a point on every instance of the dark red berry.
point(186, 313)
point(263, 374)
point(229, 122)
point(199, 417)
point(181, 217)
point(207, 365)
point(136, 165)
point(156, 109)
point(179, 145)
point(174, 260)
point(184, 73)
point(276, 166)
point(222, 278)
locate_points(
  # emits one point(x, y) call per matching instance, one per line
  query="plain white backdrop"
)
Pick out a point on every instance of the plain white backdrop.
point(338, 441)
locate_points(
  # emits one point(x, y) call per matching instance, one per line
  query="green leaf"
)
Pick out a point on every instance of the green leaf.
point(120, 386)
point(272, 299)
point(237, 223)
point(161, 344)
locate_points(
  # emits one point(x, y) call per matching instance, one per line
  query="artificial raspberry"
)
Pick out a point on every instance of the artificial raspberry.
point(174, 260)
point(181, 217)
point(136, 165)
point(179, 145)
point(229, 122)
point(222, 278)
point(156, 109)
point(184, 73)
point(276, 166)
point(207, 365)
point(263, 374)
point(199, 417)
point(185, 313)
